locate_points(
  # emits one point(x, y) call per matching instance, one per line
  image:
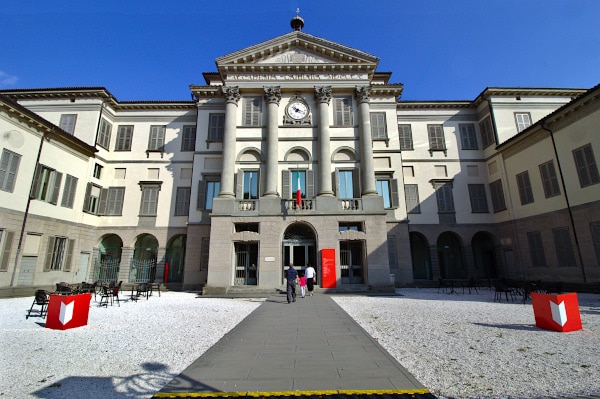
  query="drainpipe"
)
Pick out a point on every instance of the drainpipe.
point(31, 188)
point(564, 187)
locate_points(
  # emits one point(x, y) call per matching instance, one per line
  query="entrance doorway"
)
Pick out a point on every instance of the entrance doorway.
point(299, 248)
point(351, 262)
point(246, 259)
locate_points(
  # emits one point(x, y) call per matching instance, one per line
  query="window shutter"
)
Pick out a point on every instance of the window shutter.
point(200, 199)
point(310, 184)
point(5, 253)
point(69, 255)
point(239, 184)
point(336, 179)
point(356, 191)
point(102, 201)
point(395, 200)
point(8, 170)
point(49, 251)
point(34, 187)
point(56, 188)
point(86, 199)
point(285, 184)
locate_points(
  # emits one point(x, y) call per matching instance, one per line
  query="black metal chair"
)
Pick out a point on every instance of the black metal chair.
point(143, 289)
point(41, 298)
point(500, 288)
point(110, 293)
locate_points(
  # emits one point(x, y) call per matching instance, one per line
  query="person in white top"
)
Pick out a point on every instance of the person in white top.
point(311, 278)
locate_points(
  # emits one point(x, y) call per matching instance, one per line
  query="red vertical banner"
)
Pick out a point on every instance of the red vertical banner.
point(328, 273)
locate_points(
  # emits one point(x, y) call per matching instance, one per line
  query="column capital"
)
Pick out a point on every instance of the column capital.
point(272, 94)
point(362, 93)
point(231, 94)
point(323, 94)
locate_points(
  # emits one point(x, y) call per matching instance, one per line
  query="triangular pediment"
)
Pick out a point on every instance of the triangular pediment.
point(297, 48)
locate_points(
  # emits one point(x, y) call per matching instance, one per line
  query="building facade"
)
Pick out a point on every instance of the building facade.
point(297, 150)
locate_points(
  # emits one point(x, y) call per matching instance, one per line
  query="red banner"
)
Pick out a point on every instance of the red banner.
point(328, 273)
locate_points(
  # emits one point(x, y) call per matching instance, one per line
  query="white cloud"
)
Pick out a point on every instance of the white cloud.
point(7, 80)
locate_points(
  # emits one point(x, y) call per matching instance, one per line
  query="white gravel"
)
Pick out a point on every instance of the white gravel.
point(459, 346)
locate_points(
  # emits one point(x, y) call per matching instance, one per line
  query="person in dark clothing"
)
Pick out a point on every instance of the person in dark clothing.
point(291, 275)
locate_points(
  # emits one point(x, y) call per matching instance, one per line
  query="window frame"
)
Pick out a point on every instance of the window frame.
point(216, 127)
point(343, 113)
point(549, 179)
point(586, 166)
point(46, 184)
point(124, 138)
point(412, 201)
point(444, 196)
point(478, 199)
point(437, 138)
point(188, 138)
point(149, 198)
point(204, 200)
point(563, 243)
point(69, 191)
point(58, 254)
point(67, 122)
point(104, 132)
point(498, 199)
point(524, 187)
point(520, 121)
point(379, 131)
point(405, 137)
point(486, 132)
point(9, 167)
point(156, 138)
point(536, 249)
point(468, 136)
point(182, 201)
point(252, 115)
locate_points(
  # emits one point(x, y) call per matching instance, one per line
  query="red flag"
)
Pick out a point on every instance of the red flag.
point(298, 189)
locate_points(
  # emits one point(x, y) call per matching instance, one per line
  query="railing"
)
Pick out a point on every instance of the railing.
point(305, 205)
point(351, 204)
point(142, 270)
point(107, 270)
point(248, 205)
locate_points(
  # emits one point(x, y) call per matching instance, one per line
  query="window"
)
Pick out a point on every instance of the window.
point(188, 138)
point(523, 120)
point(378, 126)
point(346, 184)
point(114, 201)
point(595, 230)
point(252, 111)
point(46, 184)
point(342, 108)
point(350, 226)
point(156, 141)
point(9, 165)
point(468, 138)
point(437, 141)
point(487, 133)
point(387, 188)
point(208, 189)
point(443, 193)
point(564, 247)
point(587, 170)
point(250, 184)
point(149, 202)
point(406, 140)
point(524, 185)
point(67, 122)
point(411, 195)
point(92, 198)
point(124, 138)
point(69, 190)
point(58, 254)
point(298, 183)
point(182, 201)
point(549, 180)
point(536, 249)
point(478, 198)
point(497, 192)
point(241, 227)
point(98, 171)
point(392, 257)
point(6, 241)
point(216, 127)
point(103, 139)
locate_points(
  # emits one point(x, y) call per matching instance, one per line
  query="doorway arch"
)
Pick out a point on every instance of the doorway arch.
point(299, 246)
point(484, 254)
point(175, 257)
point(421, 256)
point(145, 255)
point(450, 255)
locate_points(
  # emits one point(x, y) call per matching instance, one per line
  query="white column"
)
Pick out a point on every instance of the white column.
point(323, 97)
point(367, 163)
point(272, 97)
point(232, 96)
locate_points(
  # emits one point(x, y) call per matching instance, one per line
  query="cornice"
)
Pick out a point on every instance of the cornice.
point(433, 104)
point(524, 91)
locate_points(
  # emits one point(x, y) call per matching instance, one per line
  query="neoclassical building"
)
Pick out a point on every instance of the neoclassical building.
point(297, 150)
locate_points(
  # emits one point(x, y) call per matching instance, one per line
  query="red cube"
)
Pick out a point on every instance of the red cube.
point(68, 311)
point(556, 312)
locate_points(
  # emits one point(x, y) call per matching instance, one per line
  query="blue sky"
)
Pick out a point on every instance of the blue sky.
point(439, 49)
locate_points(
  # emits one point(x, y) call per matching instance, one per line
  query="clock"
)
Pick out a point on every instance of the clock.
point(297, 109)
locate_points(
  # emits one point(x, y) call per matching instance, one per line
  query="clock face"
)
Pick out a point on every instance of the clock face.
point(297, 109)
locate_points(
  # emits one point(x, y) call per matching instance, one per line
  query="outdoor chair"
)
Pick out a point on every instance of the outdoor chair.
point(502, 288)
point(143, 289)
point(41, 298)
point(64, 288)
point(110, 293)
point(443, 286)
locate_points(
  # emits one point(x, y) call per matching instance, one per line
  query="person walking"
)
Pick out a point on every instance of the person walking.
point(311, 278)
point(291, 276)
point(302, 281)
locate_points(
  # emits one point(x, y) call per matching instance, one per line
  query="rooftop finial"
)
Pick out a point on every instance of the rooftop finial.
point(297, 22)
